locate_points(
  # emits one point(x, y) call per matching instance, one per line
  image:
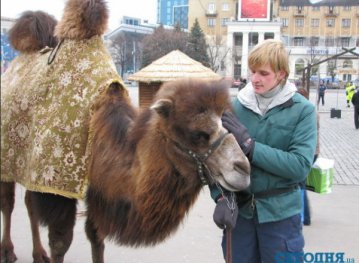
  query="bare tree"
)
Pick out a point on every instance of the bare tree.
point(217, 53)
point(119, 52)
point(161, 42)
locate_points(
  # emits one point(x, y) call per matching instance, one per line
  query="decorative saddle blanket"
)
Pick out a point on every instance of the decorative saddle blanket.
point(45, 113)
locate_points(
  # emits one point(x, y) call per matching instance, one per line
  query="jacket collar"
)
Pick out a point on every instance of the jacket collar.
point(283, 98)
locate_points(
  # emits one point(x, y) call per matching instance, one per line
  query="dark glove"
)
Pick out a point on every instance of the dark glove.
point(223, 216)
point(239, 131)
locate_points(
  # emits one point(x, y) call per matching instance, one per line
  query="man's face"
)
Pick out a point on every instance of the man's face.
point(264, 78)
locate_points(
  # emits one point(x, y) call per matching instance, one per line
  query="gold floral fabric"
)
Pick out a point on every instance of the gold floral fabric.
point(45, 113)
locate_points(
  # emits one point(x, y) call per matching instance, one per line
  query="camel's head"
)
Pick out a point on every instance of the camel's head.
point(190, 116)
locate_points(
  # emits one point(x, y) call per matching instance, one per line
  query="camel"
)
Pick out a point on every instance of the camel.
point(46, 105)
point(72, 109)
point(33, 31)
point(148, 168)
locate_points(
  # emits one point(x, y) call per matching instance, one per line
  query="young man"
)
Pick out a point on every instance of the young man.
point(276, 128)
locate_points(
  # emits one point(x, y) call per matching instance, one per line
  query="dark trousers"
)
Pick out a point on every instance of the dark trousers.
point(321, 96)
point(274, 242)
point(356, 116)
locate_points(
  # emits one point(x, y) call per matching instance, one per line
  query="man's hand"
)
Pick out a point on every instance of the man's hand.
point(239, 131)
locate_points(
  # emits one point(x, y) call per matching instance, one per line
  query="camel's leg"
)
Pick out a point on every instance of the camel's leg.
point(38, 253)
point(97, 242)
point(7, 195)
point(59, 214)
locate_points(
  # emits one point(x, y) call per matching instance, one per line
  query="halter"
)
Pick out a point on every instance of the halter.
point(200, 158)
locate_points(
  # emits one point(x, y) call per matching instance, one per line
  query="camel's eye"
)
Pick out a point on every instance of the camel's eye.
point(199, 136)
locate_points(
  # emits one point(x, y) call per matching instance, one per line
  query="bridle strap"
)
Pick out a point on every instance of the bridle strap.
point(201, 158)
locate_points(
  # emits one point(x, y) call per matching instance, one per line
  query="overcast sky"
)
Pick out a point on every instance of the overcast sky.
point(144, 9)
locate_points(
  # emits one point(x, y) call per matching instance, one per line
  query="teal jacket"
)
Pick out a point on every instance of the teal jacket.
point(285, 141)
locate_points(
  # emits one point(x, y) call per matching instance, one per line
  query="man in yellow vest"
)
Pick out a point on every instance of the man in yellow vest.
point(349, 92)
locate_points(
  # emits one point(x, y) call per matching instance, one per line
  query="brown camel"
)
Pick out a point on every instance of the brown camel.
point(147, 169)
point(33, 31)
point(46, 104)
point(46, 134)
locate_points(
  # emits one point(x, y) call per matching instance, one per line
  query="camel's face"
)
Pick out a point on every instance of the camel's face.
point(229, 166)
point(192, 119)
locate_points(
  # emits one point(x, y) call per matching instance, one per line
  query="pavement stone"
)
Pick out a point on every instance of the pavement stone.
point(334, 225)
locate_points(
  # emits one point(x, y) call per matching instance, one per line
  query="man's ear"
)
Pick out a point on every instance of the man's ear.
point(163, 107)
point(281, 75)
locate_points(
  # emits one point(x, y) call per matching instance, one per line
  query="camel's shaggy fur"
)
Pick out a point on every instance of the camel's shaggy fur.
point(33, 31)
point(83, 19)
point(142, 179)
point(142, 182)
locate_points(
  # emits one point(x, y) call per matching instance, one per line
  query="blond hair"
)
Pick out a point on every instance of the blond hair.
point(270, 52)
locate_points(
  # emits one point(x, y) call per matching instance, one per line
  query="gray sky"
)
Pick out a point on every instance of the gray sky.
point(144, 9)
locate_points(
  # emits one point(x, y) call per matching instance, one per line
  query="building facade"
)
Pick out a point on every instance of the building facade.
point(312, 30)
point(7, 52)
point(125, 44)
point(171, 12)
point(315, 32)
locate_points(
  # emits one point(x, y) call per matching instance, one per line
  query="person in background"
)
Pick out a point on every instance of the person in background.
point(321, 92)
point(355, 101)
point(349, 92)
point(276, 129)
point(306, 205)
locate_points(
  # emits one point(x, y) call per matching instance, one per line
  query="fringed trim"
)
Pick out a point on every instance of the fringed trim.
point(51, 190)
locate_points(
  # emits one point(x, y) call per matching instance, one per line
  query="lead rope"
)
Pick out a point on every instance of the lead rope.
point(229, 245)
point(231, 205)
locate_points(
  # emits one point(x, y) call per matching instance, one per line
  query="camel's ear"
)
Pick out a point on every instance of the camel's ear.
point(162, 107)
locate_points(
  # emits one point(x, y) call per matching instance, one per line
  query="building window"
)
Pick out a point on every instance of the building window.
point(329, 42)
point(314, 41)
point(345, 41)
point(347, 8)
point(225, 7)
point(224, 21)
point(298, 41)
point(284, 8)
point(253, 39)
point(285, 22)
point(345, 22)
point(299, 22)
point(211, 22)
point(299, 65)
point(330, 22)
point(238, 40)
point(269, 35)
point(347, 64)
point(211, 8)
point(315, 22)
point(316, 8)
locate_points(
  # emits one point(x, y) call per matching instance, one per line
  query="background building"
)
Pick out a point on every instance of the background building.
point(171, 12)
point(318, 30)
point(7, 52)
point(312, 30)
